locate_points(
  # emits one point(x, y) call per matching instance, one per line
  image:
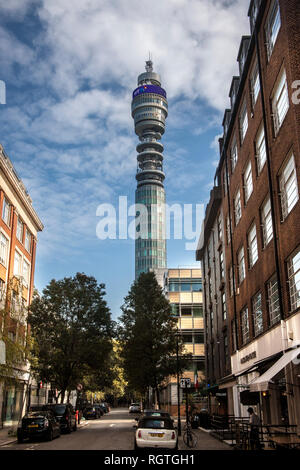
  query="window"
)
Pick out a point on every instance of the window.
point(20, 228)
point(228, 229)
point(198, 311)
point(224, 309)
point(260, 149)
point(237, 207)
point(255, 85)
point(219, 228)
point(252, 246)
point(266, 222)
point(273, 301)
point(26, 272)
point(197, 286)
point(175, 310)
point(185, 287)
point(243, 122)
point(230, 278)
point(248, 183)
point(28, 241)
point(233, 156)
point(17, 264)
point(3, 249)
point(272, 27)
point(293, 267)
point(245, 325)
point(199, 338)
point(6, 212)
point(241, 265)
point(257, 314)
point(280, 102)
point(187, 339)
point(222, 273)
point(288, 187)
point(186, 311)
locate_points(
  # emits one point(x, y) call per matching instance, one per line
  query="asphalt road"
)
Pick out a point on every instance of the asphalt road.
point(113, 431)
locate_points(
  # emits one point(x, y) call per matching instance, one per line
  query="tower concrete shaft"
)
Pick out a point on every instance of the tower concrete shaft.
point(149, 110)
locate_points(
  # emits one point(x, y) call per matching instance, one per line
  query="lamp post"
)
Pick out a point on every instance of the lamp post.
point(178, 386)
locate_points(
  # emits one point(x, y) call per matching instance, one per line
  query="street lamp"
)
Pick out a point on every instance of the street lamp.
point(178, 385)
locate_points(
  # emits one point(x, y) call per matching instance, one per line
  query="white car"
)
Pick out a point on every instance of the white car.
point(155, 432)
point(135, 408)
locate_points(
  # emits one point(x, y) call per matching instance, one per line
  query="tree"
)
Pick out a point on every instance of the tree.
point(72, 331)
point(148, 334)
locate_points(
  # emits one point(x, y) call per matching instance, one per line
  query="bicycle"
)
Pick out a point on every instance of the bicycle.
point(189, 438)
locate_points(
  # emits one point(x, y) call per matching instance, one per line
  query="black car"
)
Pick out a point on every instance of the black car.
point(38, 424)
point(65, 414)
point(104, 407)
point(98, 406)
point(92, 412)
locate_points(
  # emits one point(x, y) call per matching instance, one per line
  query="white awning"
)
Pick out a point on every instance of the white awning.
point(262, 383)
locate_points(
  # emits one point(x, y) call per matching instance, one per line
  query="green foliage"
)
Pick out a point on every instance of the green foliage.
point(72, 331)
point(148, 335)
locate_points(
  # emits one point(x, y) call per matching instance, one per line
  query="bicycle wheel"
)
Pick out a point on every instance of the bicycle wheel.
point(189, 439)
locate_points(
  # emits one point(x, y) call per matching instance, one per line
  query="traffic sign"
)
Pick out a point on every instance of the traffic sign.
point(185, 383)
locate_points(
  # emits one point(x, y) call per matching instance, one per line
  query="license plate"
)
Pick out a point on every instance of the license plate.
point(152, 434)
point(33, 425)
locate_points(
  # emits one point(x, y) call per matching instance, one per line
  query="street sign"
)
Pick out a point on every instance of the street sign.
point(185, 383)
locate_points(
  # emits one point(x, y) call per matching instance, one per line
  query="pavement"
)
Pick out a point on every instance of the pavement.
point(6, 438)
point(204, 441)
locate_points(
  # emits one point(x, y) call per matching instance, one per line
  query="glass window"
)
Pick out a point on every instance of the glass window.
point(222, 273)
point(4, 242)
point(241, 265)
point(26, 271)
point(175, 310)
point(20, 228)
point(6, 210)
point(186, 311)
point(243, 122)
point(255, 85)
point(245, 325)
point(280, 102)
point(199, 338)
point(224, 307)
point(273, 301)
point(272, 27)
point(257, 314)
point(196, 286)
point(252, 246)
point(237, 207)
point(185, 287)
point(260, 148)
point(187, 339)
point(288, 187)
point(198, 311)
point(293, 266)
point(17, 264)
point(248, 183)
point(233, 156)
point(173, 286)
point(266, 222)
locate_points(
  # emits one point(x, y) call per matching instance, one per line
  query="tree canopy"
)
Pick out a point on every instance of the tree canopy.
point(72, 331)
point(148, 335)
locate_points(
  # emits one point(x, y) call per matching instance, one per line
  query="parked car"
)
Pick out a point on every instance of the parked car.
point(104, 407)
point(134, 408)
point(92, 412)
point(162, 413)
point(100, 409)
point(155, 432)
point(66, 416)
point(38, 424)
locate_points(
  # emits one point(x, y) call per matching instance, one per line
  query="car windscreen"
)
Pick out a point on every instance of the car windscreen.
point(36, 414)
point(60, 409)
point(155, 424)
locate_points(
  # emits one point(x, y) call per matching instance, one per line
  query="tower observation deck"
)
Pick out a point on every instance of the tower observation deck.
point(149, 109)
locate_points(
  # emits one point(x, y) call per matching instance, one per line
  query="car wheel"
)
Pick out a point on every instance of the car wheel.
point(50, 435)
point(20, 439)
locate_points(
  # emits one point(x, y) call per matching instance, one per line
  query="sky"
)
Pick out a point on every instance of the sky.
point(70, 67)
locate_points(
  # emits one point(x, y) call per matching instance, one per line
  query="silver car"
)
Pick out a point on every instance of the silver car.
point(135, 408)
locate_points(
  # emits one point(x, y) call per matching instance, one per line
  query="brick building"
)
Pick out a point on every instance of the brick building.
point(19, 225)
point(256, 195)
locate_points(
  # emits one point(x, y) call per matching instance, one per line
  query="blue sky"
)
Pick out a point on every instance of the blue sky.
point(70, 67)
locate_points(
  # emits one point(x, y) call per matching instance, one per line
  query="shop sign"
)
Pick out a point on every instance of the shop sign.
point(248, 357)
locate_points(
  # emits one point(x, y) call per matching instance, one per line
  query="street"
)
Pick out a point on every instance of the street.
point(114, 431)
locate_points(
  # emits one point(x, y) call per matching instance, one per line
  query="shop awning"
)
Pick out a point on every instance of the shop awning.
point(262, 383)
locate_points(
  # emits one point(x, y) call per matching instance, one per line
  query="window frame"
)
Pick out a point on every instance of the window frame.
point(287, 172)
point(250, 240)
